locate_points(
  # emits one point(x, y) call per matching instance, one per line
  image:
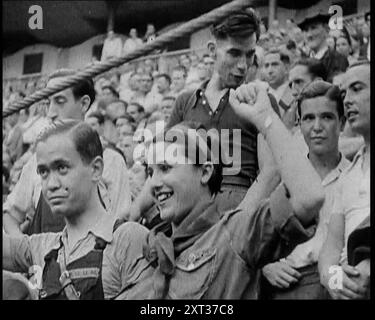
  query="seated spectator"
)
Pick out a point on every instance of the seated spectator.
point(352, 201)
point(163, 84)
point(144, 96)
point(14, 141)
point(112, 46)
point(276, 68)
point(136, 111)
point(126, 145)
point(178, 80)
point(295, 275)
point(200, 77)
point(109, 94)
point(316, 29)
point(344, 47)
point(127, 93)
point(167, 106)
point(132, 43)
point(124, 120)
point(113, 111)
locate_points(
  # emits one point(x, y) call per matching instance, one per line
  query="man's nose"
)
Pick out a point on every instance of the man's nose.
point(242, 64)
point(53, 182)
point(317, 125)
point(52, 111)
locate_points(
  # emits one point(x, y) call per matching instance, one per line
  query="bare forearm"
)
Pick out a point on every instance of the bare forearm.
point(302, 181)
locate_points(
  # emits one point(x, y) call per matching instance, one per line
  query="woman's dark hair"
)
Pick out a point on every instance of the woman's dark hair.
point(184, 128)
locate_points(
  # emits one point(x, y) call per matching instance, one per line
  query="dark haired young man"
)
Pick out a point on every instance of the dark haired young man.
point(352, 202)
point(234, 49)
point(23, 210)
point(88, 259)
point(295, 275)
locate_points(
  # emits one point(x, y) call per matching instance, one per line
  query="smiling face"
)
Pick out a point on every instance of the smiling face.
point(67, 182)
point(320, 125)
point(356, 94)
point(177, 188)
point(233, 58)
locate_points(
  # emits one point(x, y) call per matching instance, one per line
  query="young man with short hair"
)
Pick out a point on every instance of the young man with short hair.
point(87, 259)
point(25, 202)
point(234, 49)
point(352, 203)
point(321, 110)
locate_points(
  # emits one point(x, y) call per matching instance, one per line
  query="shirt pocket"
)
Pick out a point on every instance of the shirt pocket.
point(194, 274)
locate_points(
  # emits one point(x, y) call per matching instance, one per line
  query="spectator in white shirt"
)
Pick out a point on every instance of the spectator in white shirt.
point(112, 46)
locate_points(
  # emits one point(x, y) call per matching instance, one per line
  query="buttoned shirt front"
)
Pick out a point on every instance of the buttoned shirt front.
point(235, 134)
point(121, 256)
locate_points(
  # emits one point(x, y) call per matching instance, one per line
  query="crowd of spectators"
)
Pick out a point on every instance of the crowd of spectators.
point(287, 59)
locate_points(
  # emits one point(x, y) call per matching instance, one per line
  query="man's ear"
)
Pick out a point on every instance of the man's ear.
point(97, 165)
point(211, 46)
point(85, 103)
point(207, 172)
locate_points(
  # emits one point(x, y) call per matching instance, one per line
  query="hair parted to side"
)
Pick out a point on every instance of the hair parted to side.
point(84, 87)
point(86, 140)
point(320, 88)
point(314, 66)
point(241, 24)
point(183, 128)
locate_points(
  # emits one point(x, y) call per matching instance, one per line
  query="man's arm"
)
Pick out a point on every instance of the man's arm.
point(16, 253)
point(20, 201)
point(116, 178)
point(298, 175)
point(177, 114)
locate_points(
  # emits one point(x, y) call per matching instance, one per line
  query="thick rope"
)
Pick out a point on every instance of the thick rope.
point(164, 39)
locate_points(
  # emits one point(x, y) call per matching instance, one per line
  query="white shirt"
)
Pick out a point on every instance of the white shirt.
point(307, 253)
point(353, 197)
point(112, 48)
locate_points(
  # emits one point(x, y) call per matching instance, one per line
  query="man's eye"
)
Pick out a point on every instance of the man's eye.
point(307, 118)
point(62, 169)
point(43, 173)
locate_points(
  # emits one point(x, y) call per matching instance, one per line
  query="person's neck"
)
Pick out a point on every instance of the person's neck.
point(78, 225)
point(325, 163)
point(215, 84)
point(204, 198)
point(276, 86)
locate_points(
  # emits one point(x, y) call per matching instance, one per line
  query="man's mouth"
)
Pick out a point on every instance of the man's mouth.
point(352, 114)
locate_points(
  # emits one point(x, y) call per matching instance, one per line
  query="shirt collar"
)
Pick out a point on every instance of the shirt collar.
point(200, 92)
point(336, 172)
point(102, 229)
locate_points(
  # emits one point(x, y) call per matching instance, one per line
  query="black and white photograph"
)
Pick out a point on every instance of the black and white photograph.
point(186, 150)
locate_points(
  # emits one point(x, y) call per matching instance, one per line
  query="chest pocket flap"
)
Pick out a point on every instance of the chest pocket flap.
point(194, 274)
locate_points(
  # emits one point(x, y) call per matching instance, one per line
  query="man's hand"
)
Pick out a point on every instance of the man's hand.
point(364, 279)
point(348, 289)
point(251, 102)
point(280, 274)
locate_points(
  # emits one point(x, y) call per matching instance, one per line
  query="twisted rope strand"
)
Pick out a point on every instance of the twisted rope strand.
point(164, 39)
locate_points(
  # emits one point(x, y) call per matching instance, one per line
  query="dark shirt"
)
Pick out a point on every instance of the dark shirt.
point(192, 105)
